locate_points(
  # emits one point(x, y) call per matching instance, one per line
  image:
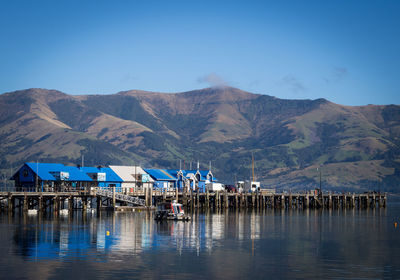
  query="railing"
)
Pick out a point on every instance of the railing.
point(118, 196)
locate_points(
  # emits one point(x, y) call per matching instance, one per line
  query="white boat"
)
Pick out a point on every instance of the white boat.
point(64, 212)
point(32, 212)
point(171, 211)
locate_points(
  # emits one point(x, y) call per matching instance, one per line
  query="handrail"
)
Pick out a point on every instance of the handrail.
point(119, 196)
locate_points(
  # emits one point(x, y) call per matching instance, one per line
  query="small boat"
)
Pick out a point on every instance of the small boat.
point(171, 211)
point(32, 212)
point(64, 212)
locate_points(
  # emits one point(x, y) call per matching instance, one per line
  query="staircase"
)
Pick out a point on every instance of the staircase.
point(121, 197)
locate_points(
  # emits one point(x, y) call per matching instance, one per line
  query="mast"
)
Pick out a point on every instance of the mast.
point(252, 165)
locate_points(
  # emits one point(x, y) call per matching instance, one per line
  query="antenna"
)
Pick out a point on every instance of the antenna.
point(83, 160)
point(198, 165)
point(209, 168)
point(180, 164)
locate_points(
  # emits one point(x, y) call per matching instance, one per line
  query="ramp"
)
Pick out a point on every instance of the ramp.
point(121, 197)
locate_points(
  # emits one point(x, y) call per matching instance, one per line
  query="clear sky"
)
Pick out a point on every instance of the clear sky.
point(345, 51)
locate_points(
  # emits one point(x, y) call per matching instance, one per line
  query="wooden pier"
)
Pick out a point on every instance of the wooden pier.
point(261, 200)
point(100, 199)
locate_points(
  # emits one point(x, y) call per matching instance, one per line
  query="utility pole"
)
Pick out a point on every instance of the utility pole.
point(320, 178)
point(37, 175)
point(134, 190)
point(252, 166)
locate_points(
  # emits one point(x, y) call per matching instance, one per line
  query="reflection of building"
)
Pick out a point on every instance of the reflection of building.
point(132, 233)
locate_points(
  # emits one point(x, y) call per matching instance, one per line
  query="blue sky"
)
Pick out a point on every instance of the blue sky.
point(345, 51)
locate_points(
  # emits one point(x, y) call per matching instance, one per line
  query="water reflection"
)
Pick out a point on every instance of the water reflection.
point(310, 243)
point(133, 233)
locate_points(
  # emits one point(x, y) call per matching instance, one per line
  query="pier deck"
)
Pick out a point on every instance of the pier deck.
point(98, 198)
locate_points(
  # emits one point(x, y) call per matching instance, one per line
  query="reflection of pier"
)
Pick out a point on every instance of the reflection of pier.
point(44, 201)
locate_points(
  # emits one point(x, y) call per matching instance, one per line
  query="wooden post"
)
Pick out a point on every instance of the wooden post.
point(84, 203)
point(98, 198)
point(55, 204)
point(262, 201)
point(208, 200)
point(150, 195)
point(236, 201)
point(70, 204)
point(11, 202)
point(113, 198)
point(40, 202)
point(226, 200)
point(25, 207)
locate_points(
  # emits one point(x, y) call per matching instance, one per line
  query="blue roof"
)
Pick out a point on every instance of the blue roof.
point(172, 174)
point(44, 171)
point(111, 176)
point(160, 174)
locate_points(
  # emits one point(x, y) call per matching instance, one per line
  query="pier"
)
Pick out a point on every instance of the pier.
point(100, 198)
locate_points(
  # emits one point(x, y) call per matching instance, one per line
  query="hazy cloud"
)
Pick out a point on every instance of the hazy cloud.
point(213, 80)
point(128, 78)
point(293, 84)
point(337, 74)
point(254, 83)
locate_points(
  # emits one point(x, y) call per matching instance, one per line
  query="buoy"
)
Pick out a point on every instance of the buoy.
point(107, 233)
point(395, 224)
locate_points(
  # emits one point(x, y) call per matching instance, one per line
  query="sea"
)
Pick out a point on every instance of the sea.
point(246, 244)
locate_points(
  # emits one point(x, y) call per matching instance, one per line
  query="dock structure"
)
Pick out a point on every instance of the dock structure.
point(100, 198)
point(259, 200)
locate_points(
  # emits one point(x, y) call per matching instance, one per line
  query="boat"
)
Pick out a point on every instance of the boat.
point(171, 211)
point(32, 212)
point(64, 212)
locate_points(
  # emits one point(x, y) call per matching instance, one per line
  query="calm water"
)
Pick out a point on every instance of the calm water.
point(352, 244)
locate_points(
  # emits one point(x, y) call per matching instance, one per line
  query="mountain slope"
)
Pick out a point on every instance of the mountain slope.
point(359, 147)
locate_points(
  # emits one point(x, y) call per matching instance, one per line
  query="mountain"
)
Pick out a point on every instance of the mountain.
point(358, 147)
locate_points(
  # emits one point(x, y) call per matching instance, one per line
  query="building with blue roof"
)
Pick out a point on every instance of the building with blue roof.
point(167, 179)
point(50, 177)
point(163, 180)
point(104, 177)
point(58, 177)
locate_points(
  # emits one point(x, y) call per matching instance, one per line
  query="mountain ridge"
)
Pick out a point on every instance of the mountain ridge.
point(289, 138)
